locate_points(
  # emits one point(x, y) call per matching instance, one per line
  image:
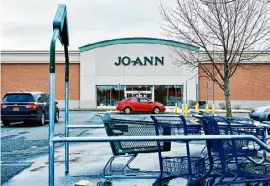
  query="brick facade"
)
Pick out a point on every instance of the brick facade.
point(29, 71)
point(250, 82)
point(35, 77)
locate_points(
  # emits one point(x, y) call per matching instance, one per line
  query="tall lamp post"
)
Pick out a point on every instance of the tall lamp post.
point(119, 92)
point(213, 71)
point(186, 105)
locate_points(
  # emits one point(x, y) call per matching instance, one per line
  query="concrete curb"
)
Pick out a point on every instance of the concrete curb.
point(169, 111)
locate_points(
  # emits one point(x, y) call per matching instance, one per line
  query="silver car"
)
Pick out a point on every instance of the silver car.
point(260, 113)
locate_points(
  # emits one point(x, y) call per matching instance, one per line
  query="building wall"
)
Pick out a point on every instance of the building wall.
point(250, 86)
point(35, 77)
point(98, 68)
point(29, 71)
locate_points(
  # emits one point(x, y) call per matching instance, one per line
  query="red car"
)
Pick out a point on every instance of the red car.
point(135, 104)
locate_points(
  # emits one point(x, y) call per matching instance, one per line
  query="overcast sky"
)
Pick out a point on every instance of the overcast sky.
point(27, 24)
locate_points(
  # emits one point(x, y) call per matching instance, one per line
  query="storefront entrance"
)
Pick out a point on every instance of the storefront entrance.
point(139, 91)
point(109, 95)
point(147, 94)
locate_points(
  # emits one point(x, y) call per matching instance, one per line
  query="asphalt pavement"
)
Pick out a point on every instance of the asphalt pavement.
point(24, 145)
point(21, 143)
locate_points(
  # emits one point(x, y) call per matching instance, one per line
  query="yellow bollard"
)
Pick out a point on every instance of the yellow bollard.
point(197, 108)
point(213, 109)
point(176, 108)
point(206, 109)
point(183, 109)
point(84, 183)
point(186, 110)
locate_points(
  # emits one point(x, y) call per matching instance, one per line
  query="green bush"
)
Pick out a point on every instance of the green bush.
point(192, 104)
point(237, 107)
point(222, 105)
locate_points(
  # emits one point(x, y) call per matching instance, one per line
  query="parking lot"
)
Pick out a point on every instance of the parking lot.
point(21, 143)
point(25, 148)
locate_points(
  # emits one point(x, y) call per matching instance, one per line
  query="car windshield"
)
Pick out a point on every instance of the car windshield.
point(18, 98)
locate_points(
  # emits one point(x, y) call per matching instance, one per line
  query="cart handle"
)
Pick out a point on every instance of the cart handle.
point(163, 139)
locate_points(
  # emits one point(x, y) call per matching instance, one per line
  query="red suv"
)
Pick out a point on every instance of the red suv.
point(135, 104)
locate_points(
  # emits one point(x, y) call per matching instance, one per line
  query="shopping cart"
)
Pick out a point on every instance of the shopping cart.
point(192, 168)
point(228, 160)
point(241, 126)
point(130, 149)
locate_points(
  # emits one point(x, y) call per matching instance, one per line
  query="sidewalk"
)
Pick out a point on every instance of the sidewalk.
point(86, 163)
point(169, 109)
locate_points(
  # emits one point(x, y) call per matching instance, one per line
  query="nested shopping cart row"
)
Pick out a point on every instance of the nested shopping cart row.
point(222, 162)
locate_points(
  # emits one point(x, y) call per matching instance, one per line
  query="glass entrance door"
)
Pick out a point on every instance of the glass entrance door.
point(139, 91)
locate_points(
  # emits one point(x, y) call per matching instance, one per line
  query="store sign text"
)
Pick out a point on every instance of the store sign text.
point(143, 61)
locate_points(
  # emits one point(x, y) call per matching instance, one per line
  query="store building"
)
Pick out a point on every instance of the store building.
point(121, 68)
point(105, 72)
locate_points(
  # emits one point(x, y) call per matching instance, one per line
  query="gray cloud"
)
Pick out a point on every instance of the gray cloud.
point(28, 24)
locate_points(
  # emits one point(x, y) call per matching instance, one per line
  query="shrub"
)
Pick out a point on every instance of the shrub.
point(237, 107)
point(222, 105)
point(192, 104)
point(202, 104)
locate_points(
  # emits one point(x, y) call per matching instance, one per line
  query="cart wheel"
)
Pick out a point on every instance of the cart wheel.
point(199, 184)
point(202, 183)
point(164, 183)
point(104, 183)
point(210, 182)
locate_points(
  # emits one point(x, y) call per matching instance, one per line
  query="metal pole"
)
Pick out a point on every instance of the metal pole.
point(119, 92)
point(167, 96)
point(60, 31)
point(153, 92)
point(213, 85)
point(66, 108)
point(110, 104)
point(186, 92)
point(52, 107)
point(196, 93)
point(207, 92)
point(213, 92)
point(163, 138)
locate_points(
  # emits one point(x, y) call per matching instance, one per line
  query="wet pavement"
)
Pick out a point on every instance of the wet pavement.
point(87, 161)
point(24, 154)
point(21, 143)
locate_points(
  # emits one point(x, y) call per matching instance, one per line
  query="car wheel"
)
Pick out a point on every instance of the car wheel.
point(42, 119)
point(6, 123)
point(56, 117)
point(156, 110)
point(127, 110)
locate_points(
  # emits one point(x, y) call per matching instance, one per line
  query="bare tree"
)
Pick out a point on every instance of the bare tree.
point(230, 27)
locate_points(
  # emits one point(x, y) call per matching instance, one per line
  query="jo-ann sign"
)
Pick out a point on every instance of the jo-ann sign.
point(140, 61)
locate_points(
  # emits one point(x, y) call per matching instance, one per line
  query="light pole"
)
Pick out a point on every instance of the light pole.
point(213, 92)
point(119, 91)
point(207, 92)
point(186, 91)
point(186, 105)
point(196, 86)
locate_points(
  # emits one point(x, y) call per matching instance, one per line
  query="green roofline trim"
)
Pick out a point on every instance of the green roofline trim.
point(138, 40)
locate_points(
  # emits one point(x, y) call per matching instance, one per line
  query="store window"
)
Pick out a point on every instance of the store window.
point(169, 95)
point(109, 95)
